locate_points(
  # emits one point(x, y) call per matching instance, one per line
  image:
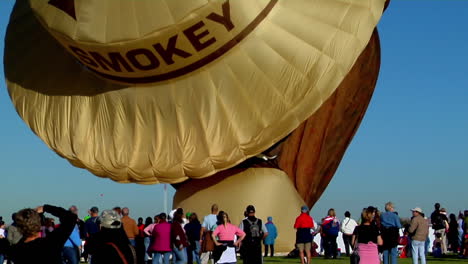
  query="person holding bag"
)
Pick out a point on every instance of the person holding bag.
point(366, 238)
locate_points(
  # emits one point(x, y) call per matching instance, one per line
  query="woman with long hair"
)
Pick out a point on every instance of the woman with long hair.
point(226, 237)
point(368, 238)
point(452, 234)
point(179, 238)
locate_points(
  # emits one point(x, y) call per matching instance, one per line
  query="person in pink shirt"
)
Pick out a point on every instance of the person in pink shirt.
point(161, 244)
point(225, 240)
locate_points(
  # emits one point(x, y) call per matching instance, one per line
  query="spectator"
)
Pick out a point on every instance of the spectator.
point(207, 243)
point(452, 234)
point(460, 231)
point(330, 229)
point(32, 247)
point(439, 224)
point(161, 240)
point(130, 226)
point(13, 234)
point(269, 240)
point(178, 238)
point(367, 236)
point(110, 244)
point(192, 229)
point(390, 228)
point(303, 225)
point(147, 239)
point(224, 237)
point(4, 246)
point(72, 248)
point(347, 228)
point(419, 230)
point(255, 232)
point(92, 227)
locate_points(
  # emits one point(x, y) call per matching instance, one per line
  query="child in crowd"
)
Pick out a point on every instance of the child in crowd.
point(437, 246)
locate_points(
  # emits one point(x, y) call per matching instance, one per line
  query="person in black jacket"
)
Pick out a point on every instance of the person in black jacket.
point(33, 248)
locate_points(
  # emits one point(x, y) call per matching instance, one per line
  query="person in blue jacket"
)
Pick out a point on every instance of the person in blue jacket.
point(72, 248)
point(269, 240)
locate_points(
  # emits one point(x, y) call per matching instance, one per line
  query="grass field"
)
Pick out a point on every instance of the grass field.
point(345, 260)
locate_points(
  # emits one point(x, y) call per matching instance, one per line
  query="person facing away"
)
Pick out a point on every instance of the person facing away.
point(347, 228)
point(206, 240)
point(303, 225)
point(452, 234)
point(331, 228)
point(110, 244)
point(255, 232)
point(72, 248)
point(419, 231)
point(160, 245)
point(192, 229)
point(130, 226)
point(13, 234)
point(390, 228)
point(179, 238)
point(224, 237)
point(269, 240)
point(438, 221)
point(366, 239)
point(34, 249)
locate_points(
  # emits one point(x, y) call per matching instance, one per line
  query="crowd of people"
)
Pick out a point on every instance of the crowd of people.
point(112, 236)
point(383, 236)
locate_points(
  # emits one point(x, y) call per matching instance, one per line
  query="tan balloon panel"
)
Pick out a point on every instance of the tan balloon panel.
point(244, 98)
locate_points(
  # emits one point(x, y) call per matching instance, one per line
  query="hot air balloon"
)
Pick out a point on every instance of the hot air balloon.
point(229, 101)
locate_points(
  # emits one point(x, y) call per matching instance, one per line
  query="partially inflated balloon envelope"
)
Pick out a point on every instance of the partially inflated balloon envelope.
point(176, 91)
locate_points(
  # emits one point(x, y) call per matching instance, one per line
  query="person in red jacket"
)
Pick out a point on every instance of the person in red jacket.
point(303, 225)
point(178, 238)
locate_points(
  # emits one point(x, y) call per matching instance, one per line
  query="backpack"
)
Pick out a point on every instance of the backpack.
point(332, 228)
point(254, 229)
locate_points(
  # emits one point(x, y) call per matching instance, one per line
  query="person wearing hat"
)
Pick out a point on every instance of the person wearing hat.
point(255, 232)
point(110, 244)
point(269, 241)
point(32, 247)
point(419, 231)
point(303, 225)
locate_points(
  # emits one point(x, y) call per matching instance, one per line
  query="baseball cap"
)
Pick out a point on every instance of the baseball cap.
point(417, 209)
point(110, 219)
point(304, 209)
point(94, 209)
point(250, 209)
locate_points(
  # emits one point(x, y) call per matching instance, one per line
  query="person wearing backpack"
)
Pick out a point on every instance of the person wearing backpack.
point(255, 232)
point(331, 228)
point(438, 221)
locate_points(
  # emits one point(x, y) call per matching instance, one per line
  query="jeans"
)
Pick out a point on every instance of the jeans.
point(2, 258)
point(69, 255)
point(132, 242)
point(193, 252)
point(180, 255)
point(390, 256)
point(157, 257)
point(417, 250)
point(146, 241)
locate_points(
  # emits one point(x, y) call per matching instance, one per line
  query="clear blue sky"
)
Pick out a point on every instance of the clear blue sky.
point(411, 148)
